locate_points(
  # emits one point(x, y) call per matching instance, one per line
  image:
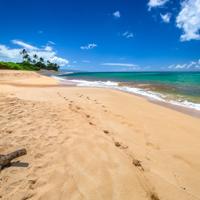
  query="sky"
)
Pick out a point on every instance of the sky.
point(103, 35)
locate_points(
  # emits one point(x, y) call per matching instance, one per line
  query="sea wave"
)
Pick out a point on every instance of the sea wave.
point(95, 83)
point(58, 78)
point(115, 85)
point(139, 91)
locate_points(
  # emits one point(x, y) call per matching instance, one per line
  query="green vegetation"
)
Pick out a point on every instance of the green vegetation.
point(18, 66)
point(34, 64)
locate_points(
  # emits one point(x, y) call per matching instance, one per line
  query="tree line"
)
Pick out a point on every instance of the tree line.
point(38, 62)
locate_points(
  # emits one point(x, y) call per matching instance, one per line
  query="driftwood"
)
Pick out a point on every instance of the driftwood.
point(6, 159)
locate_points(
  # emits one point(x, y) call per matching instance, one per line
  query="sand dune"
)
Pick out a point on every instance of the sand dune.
point(87, 143)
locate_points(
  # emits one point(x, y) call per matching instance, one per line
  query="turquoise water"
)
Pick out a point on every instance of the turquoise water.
point(170, 78)
point(175, 85)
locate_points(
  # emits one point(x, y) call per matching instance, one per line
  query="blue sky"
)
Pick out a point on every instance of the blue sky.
point(104, 35)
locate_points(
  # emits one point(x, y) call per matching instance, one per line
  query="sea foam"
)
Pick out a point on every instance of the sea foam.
point(139, 91)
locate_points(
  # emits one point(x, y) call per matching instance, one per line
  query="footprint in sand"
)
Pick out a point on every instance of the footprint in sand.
point(154, 196)
point(9, 131)
point(78, 108)
point(28, 196)
point(137, 163)
point(88, 116)
point(106, 132)
point(119, 145)
point(90, 123)
point(32, 183)
point(154, 146)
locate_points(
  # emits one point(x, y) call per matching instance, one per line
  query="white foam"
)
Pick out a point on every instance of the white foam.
point(66, 73)
point(58, 78)
point(95, 83)
point(149, 94)
point(186, 104)
point(63, 80)
point(115, 85)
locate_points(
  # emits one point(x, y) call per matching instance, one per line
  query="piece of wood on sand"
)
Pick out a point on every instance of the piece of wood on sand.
point(5, 160)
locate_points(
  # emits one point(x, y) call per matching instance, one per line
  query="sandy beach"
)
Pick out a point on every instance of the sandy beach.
point(94, 144)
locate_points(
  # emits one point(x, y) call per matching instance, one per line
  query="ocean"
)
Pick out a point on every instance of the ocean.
point(178, 88)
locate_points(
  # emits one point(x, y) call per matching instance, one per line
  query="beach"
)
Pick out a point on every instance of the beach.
point(93, 143)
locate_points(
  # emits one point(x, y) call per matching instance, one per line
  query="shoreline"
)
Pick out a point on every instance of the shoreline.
point(183, 109)
point(54, 81)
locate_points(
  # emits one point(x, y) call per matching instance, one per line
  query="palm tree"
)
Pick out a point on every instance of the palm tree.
point(41, 60)
point(35, 56)
point(25, 56)
point(35, 59)
point(23, 52)
point(29, 59)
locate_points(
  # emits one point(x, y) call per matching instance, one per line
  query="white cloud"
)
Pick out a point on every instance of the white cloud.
point(8, 54)
point(24, 45)
point(60, 61)
point(166, 17)
point(188, 20)
point(120, 64)
point(156, 3)
point(89, 46)
point(51, 56)
point(48, 48)
point(117, 14)
point(127, 35)
point(193, 65)
point(51, 42)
